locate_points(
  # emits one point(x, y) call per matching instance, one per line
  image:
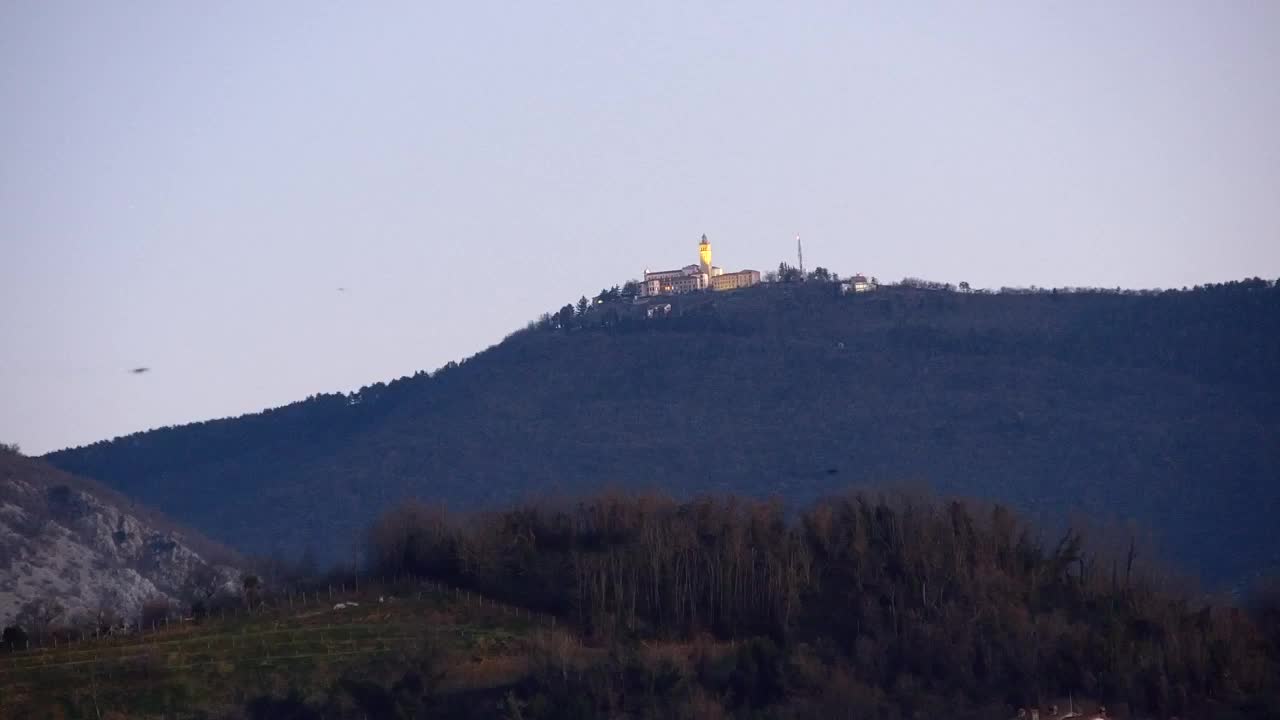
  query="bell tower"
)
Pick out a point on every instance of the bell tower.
point(704, 256)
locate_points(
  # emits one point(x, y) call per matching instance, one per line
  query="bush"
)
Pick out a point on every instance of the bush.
point(13, 638)
point(156, 612)
point(38, 616)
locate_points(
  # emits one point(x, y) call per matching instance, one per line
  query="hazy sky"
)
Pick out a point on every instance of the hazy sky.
point(185, 185)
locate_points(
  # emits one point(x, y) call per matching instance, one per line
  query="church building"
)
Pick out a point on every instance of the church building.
point(692, 278)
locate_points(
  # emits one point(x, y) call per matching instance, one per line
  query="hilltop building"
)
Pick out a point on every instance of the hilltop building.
point(857, 284)
point(692, 278)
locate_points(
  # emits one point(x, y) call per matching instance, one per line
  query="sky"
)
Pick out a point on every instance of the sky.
point(185, 186)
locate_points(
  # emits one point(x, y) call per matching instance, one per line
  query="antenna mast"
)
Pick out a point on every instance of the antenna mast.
point(800, 256)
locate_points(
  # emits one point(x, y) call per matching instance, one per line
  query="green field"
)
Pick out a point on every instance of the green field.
point(198, 670)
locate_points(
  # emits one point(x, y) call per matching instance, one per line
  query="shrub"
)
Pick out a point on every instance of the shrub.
point(155, 612)
point(13, 638)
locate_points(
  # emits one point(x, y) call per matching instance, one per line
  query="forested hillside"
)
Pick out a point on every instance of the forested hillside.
point(864, 605)
point(1163, 408)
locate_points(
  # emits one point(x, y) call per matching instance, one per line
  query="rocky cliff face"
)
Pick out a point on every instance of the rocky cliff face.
point(87, 549)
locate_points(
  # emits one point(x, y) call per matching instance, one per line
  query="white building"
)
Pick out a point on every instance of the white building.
point(673, 282)
point(857, 284)
point(692, 278)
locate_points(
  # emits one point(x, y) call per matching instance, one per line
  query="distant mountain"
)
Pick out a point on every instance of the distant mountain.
point(1163, 408)
point(86, 549)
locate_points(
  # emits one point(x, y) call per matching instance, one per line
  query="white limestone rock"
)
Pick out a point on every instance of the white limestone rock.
point(61, 541)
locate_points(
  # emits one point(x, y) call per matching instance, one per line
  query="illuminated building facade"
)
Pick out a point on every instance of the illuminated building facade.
point(692, 278)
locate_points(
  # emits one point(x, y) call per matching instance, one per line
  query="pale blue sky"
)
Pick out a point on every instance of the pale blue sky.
point(184, 185)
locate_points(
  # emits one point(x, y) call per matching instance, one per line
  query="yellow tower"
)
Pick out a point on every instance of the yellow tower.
point(704, 256)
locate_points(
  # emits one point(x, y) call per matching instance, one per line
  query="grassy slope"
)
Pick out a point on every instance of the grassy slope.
point(222, 663)
point(1163, 409)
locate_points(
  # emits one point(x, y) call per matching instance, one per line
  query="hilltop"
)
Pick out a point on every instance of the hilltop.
point(1160, 407)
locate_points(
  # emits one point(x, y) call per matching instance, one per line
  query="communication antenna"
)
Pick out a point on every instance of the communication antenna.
point(800, 256)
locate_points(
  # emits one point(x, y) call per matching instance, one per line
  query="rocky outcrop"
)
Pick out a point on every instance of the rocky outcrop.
point(90, 551)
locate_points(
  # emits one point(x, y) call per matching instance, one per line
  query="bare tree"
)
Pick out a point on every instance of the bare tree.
point(203, 585)
point(39, 615)
point(252, 591)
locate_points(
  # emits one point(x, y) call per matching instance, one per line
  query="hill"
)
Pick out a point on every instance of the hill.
point(1161, 408)
point(74, 551)
point(889, 606)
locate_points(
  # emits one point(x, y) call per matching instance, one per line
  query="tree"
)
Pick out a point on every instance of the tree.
point(37, 616)
point(820, 274)
point(583, 305)
point(155, 612)
point(414, 538)
point(630, 289)
point(608, 295)
point(787, 273)
point(202, 585)
point(610, 319)
point(106, 616)
point(564, 318)
point(14, 638)
point(105, 619)
point(252, 590)
point(10, 449)
point(964, 286)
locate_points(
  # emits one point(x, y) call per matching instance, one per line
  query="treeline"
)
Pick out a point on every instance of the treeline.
point(572, 315)
point(906, 597)
point(1247, 284)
